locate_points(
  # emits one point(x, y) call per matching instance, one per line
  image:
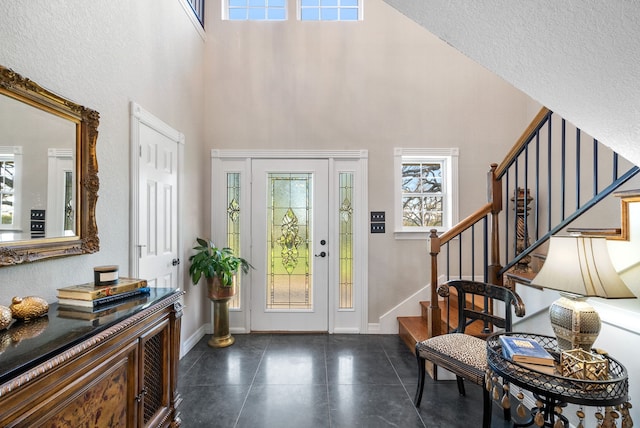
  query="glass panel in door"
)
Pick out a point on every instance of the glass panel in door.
point(290, 245)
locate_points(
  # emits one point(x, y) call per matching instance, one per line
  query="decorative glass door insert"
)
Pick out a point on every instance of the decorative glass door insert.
point(289, 214)
point(290, 251)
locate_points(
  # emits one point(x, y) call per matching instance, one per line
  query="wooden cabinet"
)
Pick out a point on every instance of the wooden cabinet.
point(122, 374)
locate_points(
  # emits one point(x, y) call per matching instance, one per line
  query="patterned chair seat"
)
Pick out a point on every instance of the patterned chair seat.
point(458, 353)
point(462, 354)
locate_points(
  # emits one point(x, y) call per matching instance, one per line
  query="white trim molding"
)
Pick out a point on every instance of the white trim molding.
point(449, 156)
point(350, 161)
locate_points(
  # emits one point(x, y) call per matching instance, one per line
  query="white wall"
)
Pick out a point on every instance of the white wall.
point(577, 57)
point(620, 334)
point(376, 84)
point(103, 54)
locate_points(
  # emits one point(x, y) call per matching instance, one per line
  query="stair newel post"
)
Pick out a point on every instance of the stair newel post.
point(495, 199)
point(435, 319)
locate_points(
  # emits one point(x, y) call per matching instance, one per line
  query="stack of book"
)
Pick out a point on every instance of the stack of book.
point(527, 352)
point(91, 298)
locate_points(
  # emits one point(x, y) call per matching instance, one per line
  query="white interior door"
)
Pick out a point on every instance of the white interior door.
point(290, 251)
point(156, 257)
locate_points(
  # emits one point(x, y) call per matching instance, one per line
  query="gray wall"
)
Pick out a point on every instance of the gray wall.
point(374, 85)
point(377, 84)
point(102, 55)
point(577, 57)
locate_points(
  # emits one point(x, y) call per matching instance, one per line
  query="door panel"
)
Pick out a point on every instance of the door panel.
point(289, 290)
point(158, 208)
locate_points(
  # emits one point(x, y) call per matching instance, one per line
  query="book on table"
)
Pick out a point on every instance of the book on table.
point(103, 313)
point(525, 350)
point(96, 303)
point(90, 291)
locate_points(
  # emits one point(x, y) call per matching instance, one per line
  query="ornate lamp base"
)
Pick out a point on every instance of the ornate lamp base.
point(574, 321)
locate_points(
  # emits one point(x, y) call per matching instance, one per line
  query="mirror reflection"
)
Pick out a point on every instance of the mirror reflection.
point(37, 170)
point(48, 173)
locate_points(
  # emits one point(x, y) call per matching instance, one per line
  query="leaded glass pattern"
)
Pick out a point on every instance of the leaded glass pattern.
point(346, 240)
point(69, 217)
point(233, 227)
point(422, 194)
point(289, 214)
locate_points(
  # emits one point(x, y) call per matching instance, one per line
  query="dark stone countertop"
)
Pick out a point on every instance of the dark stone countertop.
point(26, 344)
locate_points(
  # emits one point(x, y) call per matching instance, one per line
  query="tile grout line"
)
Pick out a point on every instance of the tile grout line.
point(253, 379)
point(326, 379)
point(404, 386)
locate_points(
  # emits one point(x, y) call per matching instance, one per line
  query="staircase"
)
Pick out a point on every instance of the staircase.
point(504, 242)
point(414, 329)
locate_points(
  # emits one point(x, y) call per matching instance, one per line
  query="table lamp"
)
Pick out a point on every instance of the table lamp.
point(579, 267)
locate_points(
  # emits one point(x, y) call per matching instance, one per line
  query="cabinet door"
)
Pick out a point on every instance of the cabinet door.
point(154, 373)
point(101, 397)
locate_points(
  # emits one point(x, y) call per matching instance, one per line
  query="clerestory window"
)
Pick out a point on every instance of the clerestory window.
point(330, 10)
point(255, 10)
point(307, 10)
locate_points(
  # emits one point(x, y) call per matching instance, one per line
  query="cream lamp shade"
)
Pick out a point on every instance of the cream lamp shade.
point(579, 267)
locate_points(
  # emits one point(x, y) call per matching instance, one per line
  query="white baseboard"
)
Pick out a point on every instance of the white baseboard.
point(373, 328)
point(346, 330)
point(188, 343)
point(407, 308)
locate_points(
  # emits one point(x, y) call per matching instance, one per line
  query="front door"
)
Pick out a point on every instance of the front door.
point(289, 289)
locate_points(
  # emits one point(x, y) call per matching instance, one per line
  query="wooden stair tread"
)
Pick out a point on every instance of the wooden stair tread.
point(414, 329)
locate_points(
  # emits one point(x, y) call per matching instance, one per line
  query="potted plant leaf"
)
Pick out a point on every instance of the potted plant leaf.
point(219, 266)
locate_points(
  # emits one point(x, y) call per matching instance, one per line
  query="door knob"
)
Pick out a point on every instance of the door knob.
point(175, 262)
point(322, 254)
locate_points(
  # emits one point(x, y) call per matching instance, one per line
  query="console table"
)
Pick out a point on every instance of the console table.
point(118, 369)
point(552, 390)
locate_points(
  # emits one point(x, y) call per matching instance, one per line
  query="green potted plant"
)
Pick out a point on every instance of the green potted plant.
point(219, 266)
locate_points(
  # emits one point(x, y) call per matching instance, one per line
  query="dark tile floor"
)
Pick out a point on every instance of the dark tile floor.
point(318, 380)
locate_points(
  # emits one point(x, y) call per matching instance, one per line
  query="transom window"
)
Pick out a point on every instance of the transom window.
point(256, 10)
point(307, 10)
point(330, 10)
point(426, 189)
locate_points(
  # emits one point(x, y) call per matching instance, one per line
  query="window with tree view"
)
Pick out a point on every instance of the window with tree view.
point(422, 200)
point(426, 189)
point(7, 191)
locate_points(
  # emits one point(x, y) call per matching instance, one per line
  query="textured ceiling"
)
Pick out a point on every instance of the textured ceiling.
point(580, 58)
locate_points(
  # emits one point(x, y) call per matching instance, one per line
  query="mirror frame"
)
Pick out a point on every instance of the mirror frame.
point(86, 239)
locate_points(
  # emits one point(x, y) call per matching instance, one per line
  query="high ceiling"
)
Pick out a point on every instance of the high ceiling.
point(580, 58)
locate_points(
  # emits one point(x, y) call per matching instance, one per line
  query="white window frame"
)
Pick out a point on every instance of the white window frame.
point(225, 14)
point(359, 7)
point(449, 158)
point(14, 153)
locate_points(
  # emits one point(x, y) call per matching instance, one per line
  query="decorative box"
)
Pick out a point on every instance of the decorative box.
point(580, 364)
point(105, 275)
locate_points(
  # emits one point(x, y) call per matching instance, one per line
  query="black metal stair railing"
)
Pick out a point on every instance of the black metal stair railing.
point(565, 173)
point(554, 174)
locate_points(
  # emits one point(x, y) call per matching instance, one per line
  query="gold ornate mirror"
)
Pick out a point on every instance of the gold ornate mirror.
point(48, 173)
